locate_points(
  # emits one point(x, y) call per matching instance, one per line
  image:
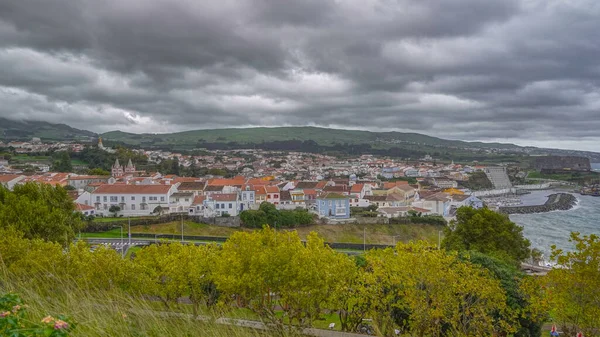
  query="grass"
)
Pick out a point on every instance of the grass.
point(115, 219)
point(114, 313)
point(374, 234)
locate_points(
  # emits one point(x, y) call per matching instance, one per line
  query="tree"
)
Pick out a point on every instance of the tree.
point(114, 209)
point(520, 291)
point(574, 291)
point(40, 211)
point(267, 271)
point(63, 164)
point(98, 172)
point(488, 232)
point(158, 210)
point(170, 271)
point(444, 296)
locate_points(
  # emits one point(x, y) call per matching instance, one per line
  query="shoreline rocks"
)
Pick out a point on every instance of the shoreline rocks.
point(555, 202)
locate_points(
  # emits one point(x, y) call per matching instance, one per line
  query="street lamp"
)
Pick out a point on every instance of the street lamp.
point(122, 250)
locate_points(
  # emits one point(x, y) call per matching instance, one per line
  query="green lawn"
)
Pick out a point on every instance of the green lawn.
point(113, 233)
point(373, 234)
point(113, 219)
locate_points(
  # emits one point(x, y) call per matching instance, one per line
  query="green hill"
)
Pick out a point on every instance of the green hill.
point(25, 130)
point(322, 136)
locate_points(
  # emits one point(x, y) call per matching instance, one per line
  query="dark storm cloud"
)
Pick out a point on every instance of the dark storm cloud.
point(520, 70)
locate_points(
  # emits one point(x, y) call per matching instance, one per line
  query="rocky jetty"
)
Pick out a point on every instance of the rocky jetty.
point(555, 202)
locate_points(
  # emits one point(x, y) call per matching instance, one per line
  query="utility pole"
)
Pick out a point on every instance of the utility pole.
point(129, 230)
point(364, 239)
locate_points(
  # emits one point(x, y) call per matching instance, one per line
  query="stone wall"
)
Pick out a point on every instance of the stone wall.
point(555, 202)
point(357, 220)
point(228, 221)
point(560, 163)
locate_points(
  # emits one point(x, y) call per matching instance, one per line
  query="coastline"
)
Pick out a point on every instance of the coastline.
point(555, 202)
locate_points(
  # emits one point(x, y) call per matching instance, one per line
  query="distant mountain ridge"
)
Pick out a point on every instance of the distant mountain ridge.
point(25, 130)
point(323, 136)
point(255, 136)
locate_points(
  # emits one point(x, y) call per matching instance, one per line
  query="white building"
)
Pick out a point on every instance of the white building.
point(132, 199)
point(10, 180)
point(219, 204)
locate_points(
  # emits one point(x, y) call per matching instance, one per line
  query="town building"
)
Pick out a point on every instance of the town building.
point(333, 206)
point(132, 199)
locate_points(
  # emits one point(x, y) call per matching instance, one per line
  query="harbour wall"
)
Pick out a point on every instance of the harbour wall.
point(555, 202)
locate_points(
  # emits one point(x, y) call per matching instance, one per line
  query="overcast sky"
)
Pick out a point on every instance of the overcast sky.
point(522, 71)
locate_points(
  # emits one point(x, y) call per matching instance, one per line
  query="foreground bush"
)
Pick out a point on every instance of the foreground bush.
point(15, 321)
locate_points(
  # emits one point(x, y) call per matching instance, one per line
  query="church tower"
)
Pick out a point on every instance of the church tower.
point(117, 169)
point(130, 168)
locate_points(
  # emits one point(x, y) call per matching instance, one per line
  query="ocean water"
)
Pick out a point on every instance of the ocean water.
point(596, 167)
point(554, 228)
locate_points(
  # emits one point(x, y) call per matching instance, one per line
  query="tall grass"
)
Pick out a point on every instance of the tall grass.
point(115, 313)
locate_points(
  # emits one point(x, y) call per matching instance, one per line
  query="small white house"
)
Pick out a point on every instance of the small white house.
point(132, 199)
point(10, 180)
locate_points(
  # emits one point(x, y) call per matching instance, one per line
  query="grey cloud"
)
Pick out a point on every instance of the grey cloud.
point(466, 69)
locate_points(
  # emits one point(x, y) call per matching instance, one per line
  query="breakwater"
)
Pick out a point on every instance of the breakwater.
point(555, 202)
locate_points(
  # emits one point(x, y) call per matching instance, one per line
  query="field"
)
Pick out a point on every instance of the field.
point(374, 234)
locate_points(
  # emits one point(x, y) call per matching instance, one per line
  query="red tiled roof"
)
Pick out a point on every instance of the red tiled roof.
point(239, 180)
point(309, 191)
point(8, 177)
point(357, 188)
point(82, 207)
point(133, 189)
point(198, 200)
point(320, 185)
point(225, 197)
point(88, 177)
point(260, 190)
point(272, 189)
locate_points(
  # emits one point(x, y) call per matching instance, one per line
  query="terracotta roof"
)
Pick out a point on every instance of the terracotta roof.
point(306, 184)
point(213, 188)
point(320, 185)
point(257, 181)
point(336, 188)
point(191, 186)
point(82, 207)
point(133, 189)
point(239, 180)
point(8, 177)
point(225, 197)
point(460, 197)
point(89, 177)
point(357, 188)
point(393, 184)
point(199, 200)
point(260, 190)
point(272, 189)
point(310, 192)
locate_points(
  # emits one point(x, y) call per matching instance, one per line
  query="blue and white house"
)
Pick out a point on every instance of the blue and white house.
point(333, 206)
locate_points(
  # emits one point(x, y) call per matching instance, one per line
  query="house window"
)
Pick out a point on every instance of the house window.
point(276, 196)
point(217, 206)
point(187, 199)
point(177, 199)
point(268, 197)
point(105, 207)
point(230, 205)
point(122, 199)
point(162, 198)
point(243, 196)
point(97, 199)
point(223, 205)
point(132, 198)
point(143, 199)
point(133, 207)
point(105, 199)
point(114, 199)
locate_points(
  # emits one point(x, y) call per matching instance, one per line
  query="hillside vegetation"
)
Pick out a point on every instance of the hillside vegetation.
point(322, 136)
